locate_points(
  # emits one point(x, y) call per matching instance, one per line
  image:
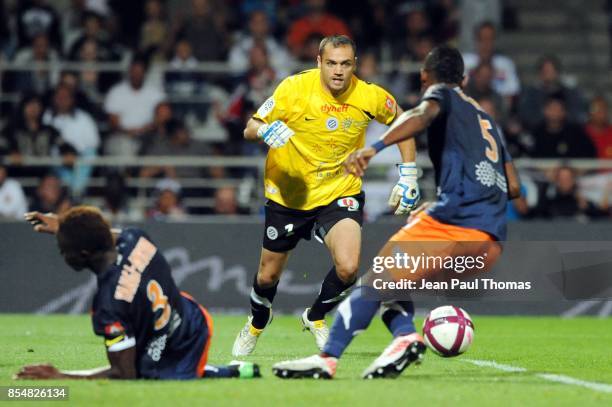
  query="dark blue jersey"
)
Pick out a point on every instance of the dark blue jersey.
point(468, 155)
point(138, 304)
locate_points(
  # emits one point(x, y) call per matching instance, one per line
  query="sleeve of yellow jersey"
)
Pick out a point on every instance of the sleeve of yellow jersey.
point(276, 106)
point(386, 106)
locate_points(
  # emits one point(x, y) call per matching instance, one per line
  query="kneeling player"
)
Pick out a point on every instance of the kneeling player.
point(150, 329)
point(475, 177)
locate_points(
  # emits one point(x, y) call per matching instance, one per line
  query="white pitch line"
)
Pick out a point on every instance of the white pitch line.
point(495, 365)
point(601, 387)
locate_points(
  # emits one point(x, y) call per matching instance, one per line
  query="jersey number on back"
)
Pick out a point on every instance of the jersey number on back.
point(159, 302)
point(491, 151)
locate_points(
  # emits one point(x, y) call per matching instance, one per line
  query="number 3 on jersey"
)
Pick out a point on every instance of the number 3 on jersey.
point(491, 151)
point(159, 302)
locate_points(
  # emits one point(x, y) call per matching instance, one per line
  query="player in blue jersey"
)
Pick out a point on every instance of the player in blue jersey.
point(475, 178)
point(151, 330)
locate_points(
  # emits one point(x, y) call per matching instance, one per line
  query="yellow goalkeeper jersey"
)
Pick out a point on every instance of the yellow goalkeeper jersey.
point(307, 172)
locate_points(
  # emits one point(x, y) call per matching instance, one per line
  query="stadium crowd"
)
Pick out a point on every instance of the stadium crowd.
point(63, 96)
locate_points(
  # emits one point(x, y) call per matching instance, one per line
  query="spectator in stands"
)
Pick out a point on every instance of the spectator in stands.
point(154, 31)
point(130, 106)
point(72, 22)
point(259, 33)
point(416, 25)
point(317, 22)
point(27, 135)
point(181, 81)
point(91, 79)
point(115, 207)
point(550, 84)
point(407, 86)
point(480, 85)
point(167, 202)
point(366, 20)
point(254, 88)
point(36, 17)
point(13, 203)
point(517, 143)
point(50, 196)
point(599, 128)
point(505, 79)
point(93, 32)
point(558, 137)
point(163, 121)
point(38, 80)
point(473, 13)
point(83, 96)
point(563, 199)
point(206, 21)
point(367, 69)
point(77, 128)
point(226, 202)
point(178, 142)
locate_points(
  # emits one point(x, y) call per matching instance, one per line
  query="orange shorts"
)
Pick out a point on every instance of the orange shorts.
point(424, 236)
point(424, 228)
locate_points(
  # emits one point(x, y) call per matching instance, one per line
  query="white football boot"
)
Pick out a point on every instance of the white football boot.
point(402, 351)
point(247, 338)
point(318, 329)
point(313, 367)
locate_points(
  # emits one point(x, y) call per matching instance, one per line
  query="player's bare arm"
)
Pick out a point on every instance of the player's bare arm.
point(407, 148)
point(49, 223)
point(43, 222)
point(514, 183)
point(123, 366)
point(407, 126)
point(250, 131)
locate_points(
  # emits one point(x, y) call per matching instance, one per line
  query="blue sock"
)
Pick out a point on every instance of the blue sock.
point(398, 316)
point(353, 316)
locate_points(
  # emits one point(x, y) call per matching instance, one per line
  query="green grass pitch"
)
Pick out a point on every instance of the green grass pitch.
point(580, 348)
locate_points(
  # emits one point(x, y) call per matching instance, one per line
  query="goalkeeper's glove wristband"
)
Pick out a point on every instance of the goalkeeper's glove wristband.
point(406, 192)
point(275, 134)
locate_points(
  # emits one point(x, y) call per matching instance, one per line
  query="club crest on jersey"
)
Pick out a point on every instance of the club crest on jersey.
point(346, 123)
point(332, 123)
point(272, 233)
point(350, 203)
point(266, 107)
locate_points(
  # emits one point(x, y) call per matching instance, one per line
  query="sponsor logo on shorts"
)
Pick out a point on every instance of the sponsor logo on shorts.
point(350, 203)
point(332, 123)
point(272, 233)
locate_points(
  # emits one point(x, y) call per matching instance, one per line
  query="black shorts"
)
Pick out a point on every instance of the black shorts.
point(285, 226)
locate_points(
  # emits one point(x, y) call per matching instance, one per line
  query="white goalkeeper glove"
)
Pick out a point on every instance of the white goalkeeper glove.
point(275, 134)
point(405, 194)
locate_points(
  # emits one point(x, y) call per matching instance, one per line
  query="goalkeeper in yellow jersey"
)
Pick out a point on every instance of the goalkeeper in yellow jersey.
point(312, 123)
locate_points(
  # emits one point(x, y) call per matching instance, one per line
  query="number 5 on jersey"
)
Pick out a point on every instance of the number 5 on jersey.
point(491, 151)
